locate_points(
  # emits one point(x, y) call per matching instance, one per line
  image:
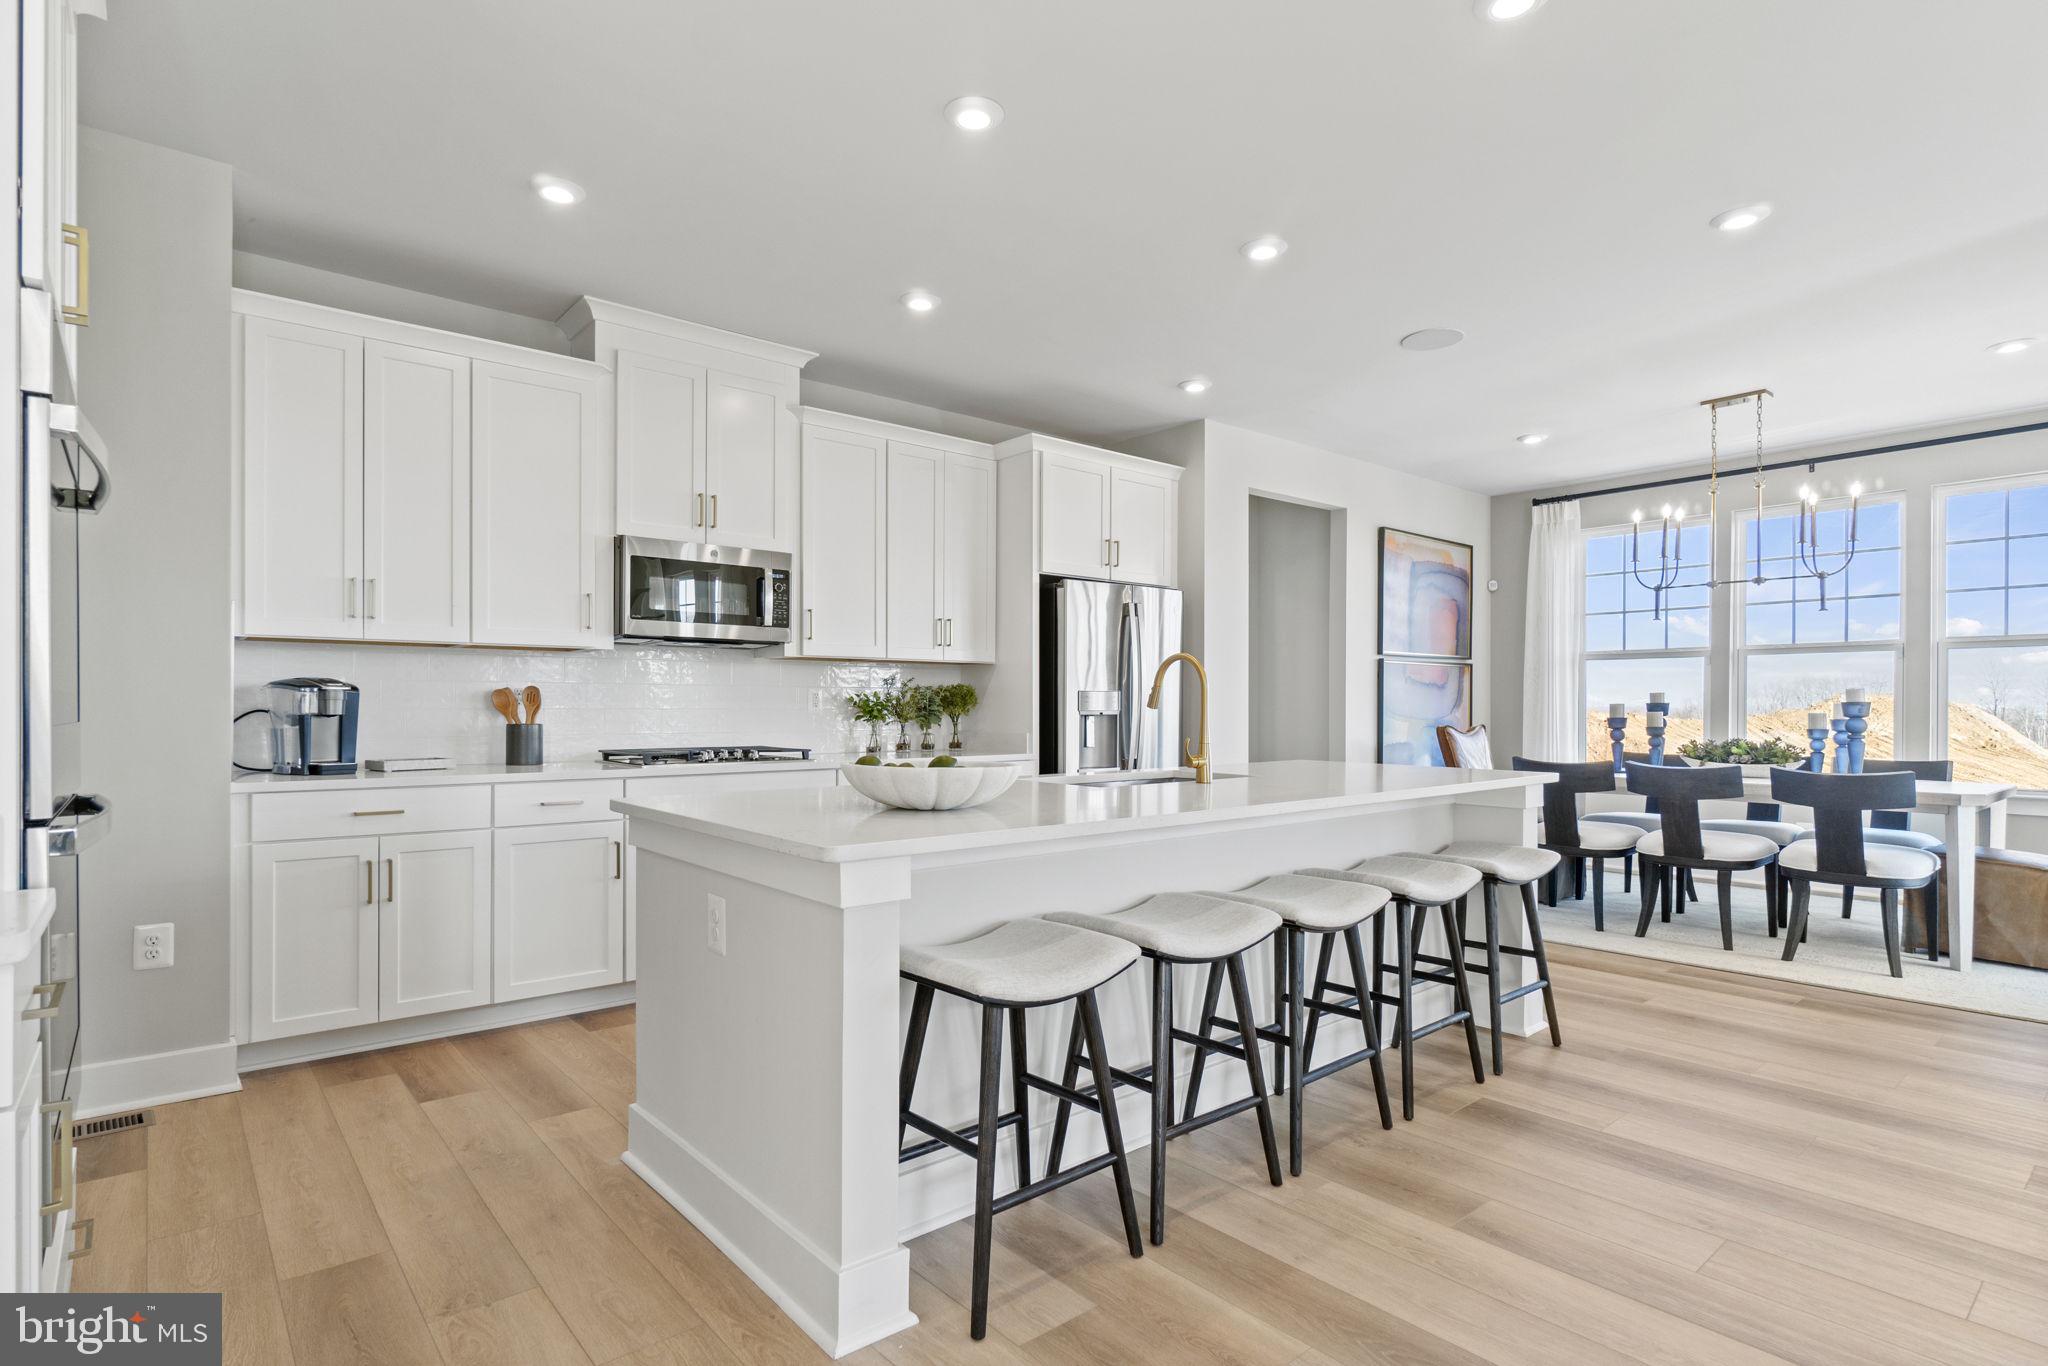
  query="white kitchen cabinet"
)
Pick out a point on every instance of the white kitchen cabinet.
point(313, 920)
point(967, 534)
point(558, 908)
point(53, 245)
point(660, 446)
point(844, 568)
point(416, 509)
point(745, 475)
point(916, 552)
point(302, 481)
point(28, 1186)
point(1074, 513)
point(1144, 523)
point(434, 923)
point(537, 535)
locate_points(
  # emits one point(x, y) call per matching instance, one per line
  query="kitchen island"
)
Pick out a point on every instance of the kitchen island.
point(771, 1013)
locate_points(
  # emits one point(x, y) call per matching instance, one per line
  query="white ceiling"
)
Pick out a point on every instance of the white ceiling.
point(781, 168)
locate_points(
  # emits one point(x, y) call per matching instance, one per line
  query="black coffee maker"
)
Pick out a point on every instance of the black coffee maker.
point(313, 726)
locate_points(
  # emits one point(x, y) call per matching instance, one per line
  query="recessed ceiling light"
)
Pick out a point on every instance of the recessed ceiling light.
point(1432, 339)
point(2013, 347)
point(974, 114)
point(1264, 249)
point(1737, 220)
point(920, 301)
point(1197, 384)
point(1533, 438)
point(556, 190)
point(1500, 11)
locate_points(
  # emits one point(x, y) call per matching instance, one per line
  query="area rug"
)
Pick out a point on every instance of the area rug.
point(1847, 955)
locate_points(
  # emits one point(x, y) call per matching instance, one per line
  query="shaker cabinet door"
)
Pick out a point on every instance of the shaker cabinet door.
point(415, 494)
point(312, 936)
point(917, 600)
point(844, 564)
point(434, 922)
point(1074, 530)
point(968, 536)
point(1144, 525)
point(660, 447)
point(558, 909)
point(749, 465)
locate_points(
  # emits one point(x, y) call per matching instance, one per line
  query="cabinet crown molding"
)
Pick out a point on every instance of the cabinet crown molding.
point(893, 431)
point(1032, 442)
point(248, 303)
point(586, 311)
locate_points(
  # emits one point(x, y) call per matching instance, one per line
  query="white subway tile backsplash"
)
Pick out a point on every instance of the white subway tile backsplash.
point(420, 700)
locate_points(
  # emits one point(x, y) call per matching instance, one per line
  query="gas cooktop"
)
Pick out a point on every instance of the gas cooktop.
point(703, 754)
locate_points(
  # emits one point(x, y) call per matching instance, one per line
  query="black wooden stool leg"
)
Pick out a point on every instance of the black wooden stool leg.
point(1162, 1098)
point(1021, 1094)
point(1308, 1047)
point(1404, 949)
point(1888, 899)
point(1112, 1127)
point(1280, 1007)
point(913, 1052)
point(1600, 893)
point(1490, 895)
point(1724, 891)
point(1354, 944)
point(1241, 994)
point(1058, 1146)
point(1210, 995)
point(1454, 935)
point(1542, 963)
point(1296, 958)
point(985, 1162)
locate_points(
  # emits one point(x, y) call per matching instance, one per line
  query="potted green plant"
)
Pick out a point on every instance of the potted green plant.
point(871, 708)
point(956, 700)
point(903, 711)
point(927, 712)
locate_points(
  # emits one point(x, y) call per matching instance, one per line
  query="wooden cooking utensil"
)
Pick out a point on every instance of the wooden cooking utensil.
point(501, 698)
point(532, 704)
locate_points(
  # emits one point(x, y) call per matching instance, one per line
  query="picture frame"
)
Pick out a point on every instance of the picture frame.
point(1425, 596)
point(1415, 697)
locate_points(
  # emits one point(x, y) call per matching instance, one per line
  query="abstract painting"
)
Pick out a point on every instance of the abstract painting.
point(1415, 698)
point(1425, 596)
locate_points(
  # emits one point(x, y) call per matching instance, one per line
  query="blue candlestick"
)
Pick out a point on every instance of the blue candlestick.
point(1841, 729)
point(1617, 726)
point(1855, 720)
point(1655, 722)
point(1818, 762)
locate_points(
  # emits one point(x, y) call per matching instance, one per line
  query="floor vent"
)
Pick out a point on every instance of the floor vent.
point(113, 1124)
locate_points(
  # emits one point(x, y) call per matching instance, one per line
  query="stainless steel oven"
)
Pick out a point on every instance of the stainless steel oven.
point(689, 594)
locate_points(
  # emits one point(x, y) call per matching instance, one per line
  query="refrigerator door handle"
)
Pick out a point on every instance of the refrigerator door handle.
point(37, 703)
point(82, 820)
point(1129, 644)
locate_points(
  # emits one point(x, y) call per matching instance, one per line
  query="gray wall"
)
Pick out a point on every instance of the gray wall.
point(155, 658)
point(1291, 621)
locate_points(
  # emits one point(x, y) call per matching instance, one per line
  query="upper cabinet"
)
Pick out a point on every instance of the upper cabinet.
point(899, 543)
point(707, 430)
point(402, 484)
point(1102, 515)
point(55, 248)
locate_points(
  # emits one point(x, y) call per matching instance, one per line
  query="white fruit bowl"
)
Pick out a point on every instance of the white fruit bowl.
point(930, 789)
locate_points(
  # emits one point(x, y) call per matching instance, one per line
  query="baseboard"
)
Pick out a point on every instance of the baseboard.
point(336, 1043)
point(119, 1084)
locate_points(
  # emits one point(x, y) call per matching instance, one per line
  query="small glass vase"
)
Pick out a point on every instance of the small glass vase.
point(874, 737)
point(954, 743)
point(924, 742)
point(903, 737)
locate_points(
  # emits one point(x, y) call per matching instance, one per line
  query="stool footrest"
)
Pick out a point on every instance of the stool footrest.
point(1507, 950)
point(1051, 1183)
point(1519, 992)
point(939, 1136)
point(1068, 1093)
point(1318, 1073)
point(1455, 1017)
point(1207, 1117)
point(1211, 1045)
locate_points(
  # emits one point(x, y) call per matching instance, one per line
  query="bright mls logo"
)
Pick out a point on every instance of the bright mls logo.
point(170, 1330)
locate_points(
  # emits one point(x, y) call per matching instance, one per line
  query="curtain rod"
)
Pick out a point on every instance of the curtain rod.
point(1808, 463)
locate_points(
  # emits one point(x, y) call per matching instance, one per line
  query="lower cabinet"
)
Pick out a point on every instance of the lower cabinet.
point(558, 909)
point(312, 936)
point(28, 1185)
point(434, 925)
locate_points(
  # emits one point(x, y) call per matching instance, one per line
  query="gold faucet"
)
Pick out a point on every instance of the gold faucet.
point(1198, 760)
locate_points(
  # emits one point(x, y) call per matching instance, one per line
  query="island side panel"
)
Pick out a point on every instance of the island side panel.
point(766, 1078)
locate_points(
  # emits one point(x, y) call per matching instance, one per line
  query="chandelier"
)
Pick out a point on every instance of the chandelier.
point(1811, 557)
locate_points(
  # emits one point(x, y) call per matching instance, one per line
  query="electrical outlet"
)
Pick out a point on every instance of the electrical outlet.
point(717, 929)
point(155, 946)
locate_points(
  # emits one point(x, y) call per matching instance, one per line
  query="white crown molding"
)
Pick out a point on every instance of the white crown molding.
point(893, 431)
point(251, 304)
point(1032, 442)
point(586, 311)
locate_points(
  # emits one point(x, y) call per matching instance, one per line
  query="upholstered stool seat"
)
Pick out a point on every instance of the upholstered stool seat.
point(1719, 846)
point(1190, 926)
point(1882, 864)
point(1509, 863)
point(1320, 904)
point(1409, 876)
point(1022, 962)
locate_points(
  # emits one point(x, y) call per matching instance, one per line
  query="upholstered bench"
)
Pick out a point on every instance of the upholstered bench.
point(2012, 910)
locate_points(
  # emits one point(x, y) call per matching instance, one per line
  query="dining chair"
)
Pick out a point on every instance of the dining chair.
point(1464, 748)
point(1679, 844)
point(1574, 838)
point(1896, 828)
point(1841, 855)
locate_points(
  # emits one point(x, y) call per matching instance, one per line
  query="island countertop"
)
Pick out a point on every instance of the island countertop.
point(838, 825)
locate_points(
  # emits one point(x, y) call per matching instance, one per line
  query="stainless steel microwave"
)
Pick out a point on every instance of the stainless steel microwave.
point(684, 593)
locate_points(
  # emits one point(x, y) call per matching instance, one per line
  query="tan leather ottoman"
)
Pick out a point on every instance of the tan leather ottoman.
point(2012, 910)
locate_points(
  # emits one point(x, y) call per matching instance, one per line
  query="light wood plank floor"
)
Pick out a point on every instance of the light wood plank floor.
point(1714, 1169)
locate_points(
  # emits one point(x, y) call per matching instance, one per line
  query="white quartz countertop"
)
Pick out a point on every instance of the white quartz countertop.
point(571, 770)
point(838, 825)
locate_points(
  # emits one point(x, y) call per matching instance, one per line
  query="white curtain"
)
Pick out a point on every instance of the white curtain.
point(1554, 637)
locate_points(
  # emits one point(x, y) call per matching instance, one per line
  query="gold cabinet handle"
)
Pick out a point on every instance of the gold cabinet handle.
point(369, 882)
point(700, 509)
point(53, 1000)
point(714, 510)
point(80, 314)
point(618, 861)
point(810, 624)
point(351, 608)
point(67, 1157)
point(369, 599)
point(1116, 553)
point(389, 811)
point(1105, 550)
point(575, 802)
point(391, 879)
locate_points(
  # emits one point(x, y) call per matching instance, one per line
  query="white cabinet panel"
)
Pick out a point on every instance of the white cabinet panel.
point(302, 489)
point(917, 608)
point(746, 473)
point(557, 909)
point(845, 479)
point(28, 1186)
point(660, 447)
point(1074, 531)
point(1144, 523)
point(967, 533)
point(535, 530)
point(434, 925)
point(312, 936)
point(415, 494)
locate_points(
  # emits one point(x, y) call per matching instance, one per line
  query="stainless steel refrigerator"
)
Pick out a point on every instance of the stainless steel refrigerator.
point(1102, 644)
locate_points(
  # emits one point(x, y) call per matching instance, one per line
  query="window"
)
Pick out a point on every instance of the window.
point(1804, 644)
point(1633, 649)
point(1994, 631)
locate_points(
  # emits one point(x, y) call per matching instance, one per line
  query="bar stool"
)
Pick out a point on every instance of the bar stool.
point(1168, 929)
point(1417, 884)
point(1306, 906)
point(1519, 866)
point(1013, 968)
